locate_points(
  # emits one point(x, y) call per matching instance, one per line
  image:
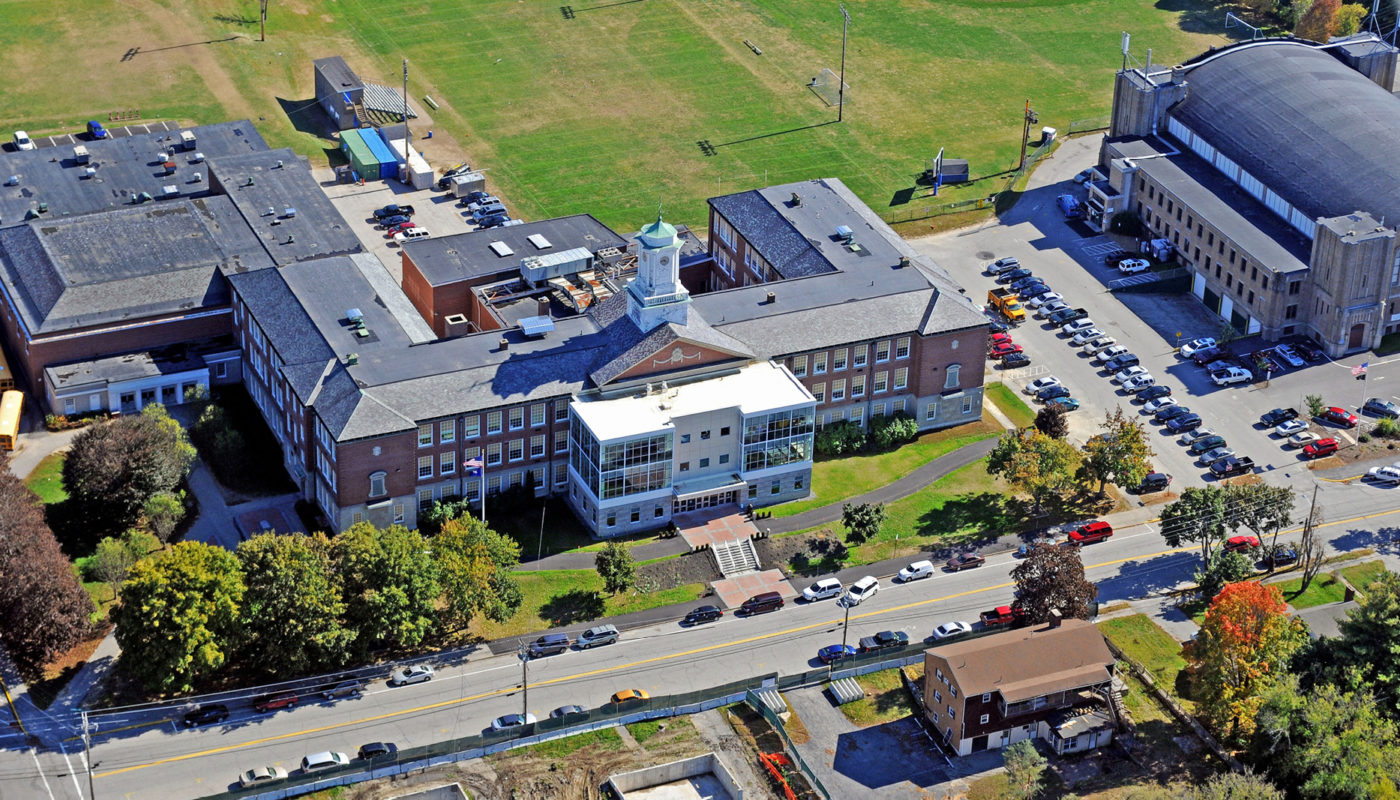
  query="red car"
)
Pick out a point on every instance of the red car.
point(1340, 416)
point(1241, 544)
point(1005, 349)
point(997, 338)
point(1093, 532)
point(270, 702)
point(1319, 448)
point(400, 228)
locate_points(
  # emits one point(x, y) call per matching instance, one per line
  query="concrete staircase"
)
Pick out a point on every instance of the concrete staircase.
point(736, 557)
point(845, 690)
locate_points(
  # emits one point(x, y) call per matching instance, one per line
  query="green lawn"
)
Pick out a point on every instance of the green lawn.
point(601, 739)
point(567, 596)
point(1146, 643)
point(837, 479)
point(965, 505)
point(1361, 575)
point(47, 479)
point(1011, 404)
point(1323, 589)
point(891, 701)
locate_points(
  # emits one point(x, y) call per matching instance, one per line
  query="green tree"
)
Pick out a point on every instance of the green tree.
point(163, 512)
point(1368, 643)
point(862, 520)
point(1315, 405)
point(1226, 569)
point(1327, 743)
point(293, 612)
point(1024, 768)
point(178, 619)
point(1120, 454)
point(1262, 508)
point(390, 585)
point(886, 431)
point(839, 438)
point(115, 467)
point(1034, 463)
point(615, 567)
point(1052, 420)
point(1348, 19)
point(1236, 786)
point(476, 564)
point(110, 562)
point(1052, 579)
point(1198, 517)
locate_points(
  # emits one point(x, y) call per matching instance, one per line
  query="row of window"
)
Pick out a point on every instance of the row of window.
point(705, 434)
point(857, 354)
point(445, 463)
point(471, 425)
point(879, 383)
point(454, 489)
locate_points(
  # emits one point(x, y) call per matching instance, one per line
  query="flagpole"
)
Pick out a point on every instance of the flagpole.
point(482, 489)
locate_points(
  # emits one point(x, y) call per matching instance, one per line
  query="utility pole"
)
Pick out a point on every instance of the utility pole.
point(845, 626)
point(1030, 119)
point(841, 88)
point(87, 756)
point(262, 21)
point(539, 551)
point(406, 137)
point(523, 654)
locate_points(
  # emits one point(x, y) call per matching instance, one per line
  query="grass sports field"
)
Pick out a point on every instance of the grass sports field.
point(601, 109)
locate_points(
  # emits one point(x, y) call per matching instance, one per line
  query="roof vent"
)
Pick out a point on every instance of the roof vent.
point(250, 181)
point(352, 359)
point(291, 238)
point(772, 297)
point(91, 171)
point(796, 199)
point(279, 164)
point(903, 262)
point(505, 343)
point(198, 178)
point(289, 212)
point(269, 211)
point(198, 157)
point(501, 249)
point(13, 180)
point(539, 241)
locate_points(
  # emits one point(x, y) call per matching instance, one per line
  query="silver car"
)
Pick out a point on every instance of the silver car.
point(417, 673)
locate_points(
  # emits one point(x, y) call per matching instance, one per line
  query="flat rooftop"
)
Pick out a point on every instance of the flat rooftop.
point(467, 256)
point(756, 388)
point(698, 787)
point(284, 205)
point(169, 360)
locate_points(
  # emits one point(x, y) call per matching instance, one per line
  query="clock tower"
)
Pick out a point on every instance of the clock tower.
point(656, 294)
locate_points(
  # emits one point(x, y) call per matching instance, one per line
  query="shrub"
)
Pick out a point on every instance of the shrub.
point(1387, 428)
point(840, 438)
point(1126, 223)
point(1363, 438)
point(889, 431)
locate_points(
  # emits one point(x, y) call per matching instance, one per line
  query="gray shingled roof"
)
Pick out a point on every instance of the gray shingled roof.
point(1317, 132)
point(316, 230)
point(628, 347)
point(771, 234)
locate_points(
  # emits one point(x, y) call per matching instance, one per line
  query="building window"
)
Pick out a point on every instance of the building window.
point(985, 718)
point(818, 391)
point(858, 415)
point(951, 713)
point(882, 351)
point(1264, 282)
point(425, 496)
point(447, 463)
point(1291, 312)
point(376, 485)
point(967, 405)
point(1229, 280)
point(685, 438)
point(901, 347)
point(753, 490)
point(425, 435)
point(1251, 297)
point(425, 466)
point(70, 406)
point(838, 358)
point(657, 512)
point(447, 432)
point(493, 454)
point(951, 381)
point(858, 355)
point(636, 514)
point(724, 458)
point(901, 378)
point(537, 446)
point(775, 488)
point(398, 513)
point(937, 696)
point(561, 410)
point(704, 462)
point(858, 386)
point(881, 382)
point(612, 519)
point(931, 413)
point(724, 431)
point(561, 441)
point(704, 435)
point(986, 698)
point(838, 391)
point(798, 482)
point(685, 466)
point(799, 366)
point(517, 418)
point(537, 414)
point(517, 449)
point(493, 422)
point(1296, 287)
point(473, 426)
point(819, 364)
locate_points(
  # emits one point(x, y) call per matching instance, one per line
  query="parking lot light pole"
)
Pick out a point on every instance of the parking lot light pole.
point(845, 626)
point(524, 655)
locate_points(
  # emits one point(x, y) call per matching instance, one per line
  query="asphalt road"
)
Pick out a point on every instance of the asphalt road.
point(144, 753)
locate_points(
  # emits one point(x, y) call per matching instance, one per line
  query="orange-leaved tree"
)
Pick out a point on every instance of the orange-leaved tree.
point(1319, 22)
point(1243, 648)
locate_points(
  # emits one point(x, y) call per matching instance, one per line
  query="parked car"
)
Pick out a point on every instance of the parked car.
point(630, 696)
point(1119, 363)
point(509, 721)
point(1206, 444)
point(1231, 375)
point(452, 172)
point(1051, 393)
point(1171, 412)
point(995, 325)
point(1003, 264)
point(1280, 557)
point(346, 688)
point(1381, 408)
point(1241, 544)
point(835, 652)
point(1292, 426)
point(1041, 299)
point(1012, 275)
point(1078, 326)
point(1320, 448)
point(1029, 286)
point(1067, 403)
point(1050, 307)
point(1184, 423)
point(1085, 175)
point(96, 131)
point(473, 197)
point(1231, 466)
point(1084, 337)
point(884, 640)
point(1115, 257)
point(1197, 435)
point(1309, 353)
point(1193, 346)
point(392, 220)
point(822, 590)
point(962, 561)
point(1302, 439)
point(416, 232)
point(1041, 383)
point(23, 142)
point(417, 673)
point(1132, 266)
point(1015, 361)
point(259, 776)
point(1215, 454)
point(393, 210)
point(860, 591)
point(597, 635)
point(1095, 531)
point(493, 221)
point(324, 760)
point(701, 615)
point(399, 228)
point(1123, 375)
point(1100, 344)
point(1138, 383)
point(1272, 419)
point(761, 603)
point(1067, 315)
point(564, 711)
point(376, 750)
point(1154, 482)
point(1390, 474)
point(1159, 403)
point(205, 714)
point(1341, 417)
point(1206, 355)
point(1109, 353)
point(951, 630)
point(1005, 349)
point(274, 701)
point(1288, 356)
point(550, 644)
point(915, 571)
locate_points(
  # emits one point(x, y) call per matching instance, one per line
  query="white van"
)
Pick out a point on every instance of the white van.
point(319, 761)
point(915, 571)
point(822, 590)
point(860, 591)
point(411, 234)
point(22, 141)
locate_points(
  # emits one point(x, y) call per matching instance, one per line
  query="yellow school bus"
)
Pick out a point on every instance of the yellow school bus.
point(10, 405)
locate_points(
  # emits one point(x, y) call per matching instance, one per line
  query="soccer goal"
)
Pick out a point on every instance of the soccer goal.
point(828, 87)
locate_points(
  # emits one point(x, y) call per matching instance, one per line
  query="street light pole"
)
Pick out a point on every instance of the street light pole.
point(841, 87)
point(845, 626)
point(524, 655)
point(87, 757)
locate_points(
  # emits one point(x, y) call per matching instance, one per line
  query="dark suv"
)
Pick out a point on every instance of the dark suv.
point(1119, 363)
point(1154, 482)
point(548, 645)
point(203, 715)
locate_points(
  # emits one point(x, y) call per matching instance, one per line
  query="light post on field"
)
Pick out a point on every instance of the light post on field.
point(841, 86)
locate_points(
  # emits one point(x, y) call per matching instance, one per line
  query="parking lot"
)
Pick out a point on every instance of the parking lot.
point(1071, 262)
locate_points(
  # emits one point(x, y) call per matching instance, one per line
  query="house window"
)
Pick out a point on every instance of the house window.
point(447, 463)
point(376, 484)
point(818, 391)
point(838, 358)
point(561, 441)
point(799, 366)
point(858, 386)
point(859, 355)
point(704, 462)
point(881, 382)
point(537, 445)
point(561, 410)
point(724, 431)
point(724, 458)
point(447, 432)
point(951, 382)
point(493, 454)
point(356, 518)
point(819, 364)
point(901, 347)
point(517, 418)
point(901, 378)
point(882, 351)
point(473, 426)
point(425, 467)
point(517, 449)
point(985, 718)
point(986, 698)
point(493, 422)
point(70, 406)
point(398, 513)
point(425, 435)
point(838, 391)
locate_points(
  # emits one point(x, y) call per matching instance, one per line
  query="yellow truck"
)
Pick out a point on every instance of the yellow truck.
point(1006, 301)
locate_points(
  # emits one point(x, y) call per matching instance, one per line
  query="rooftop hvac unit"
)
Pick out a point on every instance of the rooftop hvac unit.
point(354, 315)
point(89, 172)
point(845, 234)
point(198, 178)
point(536, 326)
point(269, 211)
point(169, 190)
point(352, 359)
point(198, 157)
point(289, 213)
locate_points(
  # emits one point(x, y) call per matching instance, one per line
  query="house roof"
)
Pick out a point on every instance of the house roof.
point(338, 73)
point(1029, 662)
point(264, 186)
point(1312, 129)
point(464, 256)
point(627, 346)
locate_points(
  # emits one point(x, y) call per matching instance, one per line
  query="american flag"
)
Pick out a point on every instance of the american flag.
point(473, 467)
point(1360, 369)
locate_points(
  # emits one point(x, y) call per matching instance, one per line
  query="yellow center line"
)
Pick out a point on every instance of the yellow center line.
point(123, 728)
point(646, 661)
